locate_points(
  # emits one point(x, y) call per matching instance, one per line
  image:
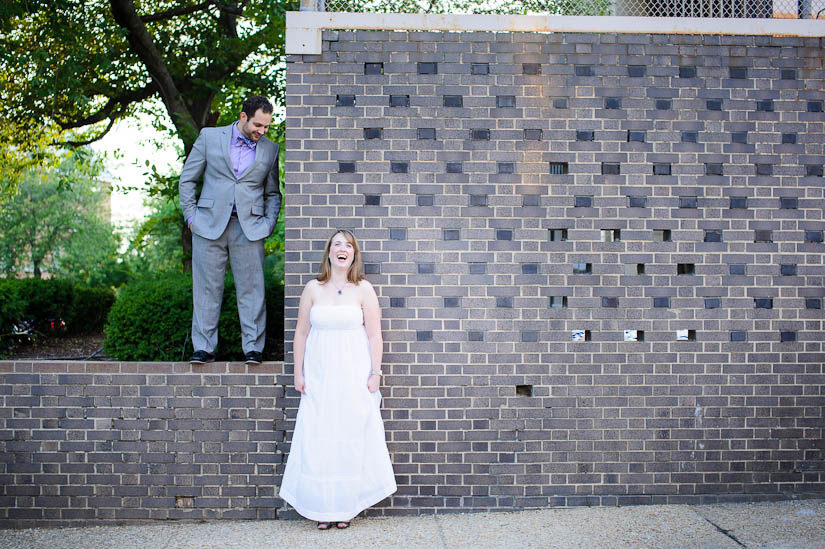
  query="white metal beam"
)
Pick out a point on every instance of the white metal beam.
point(303, 28)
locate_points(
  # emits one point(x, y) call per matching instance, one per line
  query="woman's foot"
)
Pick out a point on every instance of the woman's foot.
point(324, 525)
point(341, 525)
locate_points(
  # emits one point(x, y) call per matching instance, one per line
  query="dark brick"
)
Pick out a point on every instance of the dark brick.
point(687, 72)
point(505, 101)
point(738, 73)
point(480, 134)
point(453, 101)
point(428, 68)
point(532, 134)
point(480, 68)
point(636, 71)
point(426, 133)
point(345, 101)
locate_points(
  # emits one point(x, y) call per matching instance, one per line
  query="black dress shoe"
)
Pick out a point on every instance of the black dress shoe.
point(201, 357)
point(254, 357)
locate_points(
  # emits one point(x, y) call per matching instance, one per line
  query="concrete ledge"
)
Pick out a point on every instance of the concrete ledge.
point(303, 29)
point(97, 367)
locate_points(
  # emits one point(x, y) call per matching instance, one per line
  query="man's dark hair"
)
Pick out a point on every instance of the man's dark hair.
point(252, 104)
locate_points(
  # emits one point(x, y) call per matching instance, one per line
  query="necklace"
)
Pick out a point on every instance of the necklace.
point(336, 286)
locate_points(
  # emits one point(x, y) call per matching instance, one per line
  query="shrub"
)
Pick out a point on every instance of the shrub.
point(53, 307)
point(48, 303)
point(57, 306)
point(11, 311)
point(91, 305)
point(152, 319)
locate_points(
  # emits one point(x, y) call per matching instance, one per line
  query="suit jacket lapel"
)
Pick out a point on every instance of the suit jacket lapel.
point(226, 140)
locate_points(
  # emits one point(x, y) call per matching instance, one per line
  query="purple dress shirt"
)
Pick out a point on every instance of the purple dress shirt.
point(241, 151)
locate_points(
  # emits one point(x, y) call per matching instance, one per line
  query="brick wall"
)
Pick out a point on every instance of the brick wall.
point(523, 200)
point(126, 442)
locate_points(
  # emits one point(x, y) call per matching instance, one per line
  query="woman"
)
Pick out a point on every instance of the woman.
point(338, 464)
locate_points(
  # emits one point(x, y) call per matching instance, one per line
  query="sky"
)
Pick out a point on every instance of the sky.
point(128, 146)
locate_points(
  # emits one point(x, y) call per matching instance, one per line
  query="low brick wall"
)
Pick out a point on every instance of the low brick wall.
point(123, 442)
point(110, 443)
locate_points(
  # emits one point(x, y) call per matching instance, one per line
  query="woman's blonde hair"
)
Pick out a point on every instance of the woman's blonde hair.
point(356, 268)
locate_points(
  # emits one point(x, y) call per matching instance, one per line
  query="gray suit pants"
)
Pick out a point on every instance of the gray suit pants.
point(208, 270)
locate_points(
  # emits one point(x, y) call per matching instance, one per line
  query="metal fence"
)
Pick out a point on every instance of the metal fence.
point(762, 9)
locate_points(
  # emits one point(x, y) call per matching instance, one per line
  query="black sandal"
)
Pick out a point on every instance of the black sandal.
point(324, 525)
point(342, 525)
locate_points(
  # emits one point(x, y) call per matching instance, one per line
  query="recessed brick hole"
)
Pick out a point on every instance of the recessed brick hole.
point(373, 68)
point(372, 133)
point(738, 202)
point(713, 235)
point(524, 390)
point(685, 335)
point(557, 301)
point(661, 235)
point(685, 268)
point(184, 502)
point(344, 100)
point(557, 235)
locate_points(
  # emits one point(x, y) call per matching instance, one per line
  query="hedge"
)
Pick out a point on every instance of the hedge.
point(152, 319)
point(51, 306)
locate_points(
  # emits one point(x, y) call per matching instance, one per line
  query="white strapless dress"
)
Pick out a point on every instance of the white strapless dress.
point(338, 463)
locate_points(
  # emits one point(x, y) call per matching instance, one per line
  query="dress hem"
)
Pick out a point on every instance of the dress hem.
point(333, 517)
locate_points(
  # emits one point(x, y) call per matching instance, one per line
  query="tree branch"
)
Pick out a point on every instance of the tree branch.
point(186, 10)
point(142, 44)
point(106, 111)
point(88, 141)
point(174, 12)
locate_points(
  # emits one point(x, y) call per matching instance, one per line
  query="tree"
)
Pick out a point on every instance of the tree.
point(80, 65)
point(54, 224)
point(155, 245)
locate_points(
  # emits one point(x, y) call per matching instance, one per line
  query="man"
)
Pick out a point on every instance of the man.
point(237, 209)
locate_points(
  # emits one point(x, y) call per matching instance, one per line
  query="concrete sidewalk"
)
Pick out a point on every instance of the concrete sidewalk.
point(789, 524)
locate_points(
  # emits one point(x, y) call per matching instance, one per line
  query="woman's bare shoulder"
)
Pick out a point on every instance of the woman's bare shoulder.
point(366, 292)
point(311, 288)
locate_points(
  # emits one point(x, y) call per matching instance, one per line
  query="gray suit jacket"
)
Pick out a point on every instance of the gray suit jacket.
point(255, 193)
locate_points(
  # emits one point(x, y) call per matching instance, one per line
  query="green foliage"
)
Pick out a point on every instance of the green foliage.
point(156, 243)
point(152, 318)
point(68, 66)
point(52, 307)
point(55, 224)
point(11, 311)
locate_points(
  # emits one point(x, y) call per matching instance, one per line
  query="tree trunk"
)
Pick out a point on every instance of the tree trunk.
point(186, 245)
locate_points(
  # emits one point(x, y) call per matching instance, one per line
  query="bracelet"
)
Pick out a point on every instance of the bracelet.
point(376, 373)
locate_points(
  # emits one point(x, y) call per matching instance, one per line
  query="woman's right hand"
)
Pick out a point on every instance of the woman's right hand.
point(300, 385)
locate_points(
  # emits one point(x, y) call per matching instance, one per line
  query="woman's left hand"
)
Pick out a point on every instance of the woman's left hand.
point(373, 383)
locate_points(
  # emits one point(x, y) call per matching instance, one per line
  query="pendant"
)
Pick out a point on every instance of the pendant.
point(339, 292)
